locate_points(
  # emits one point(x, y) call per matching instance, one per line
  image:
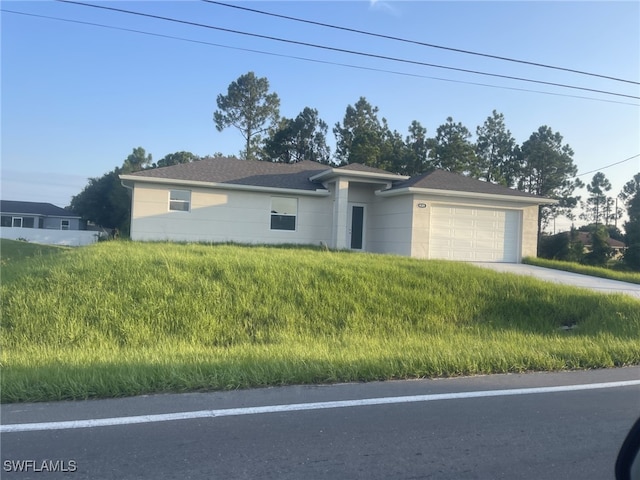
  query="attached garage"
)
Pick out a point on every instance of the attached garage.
point(474, 234)
point(463, 219)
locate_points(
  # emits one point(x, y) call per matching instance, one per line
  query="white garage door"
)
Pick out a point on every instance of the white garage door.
point(474, 234)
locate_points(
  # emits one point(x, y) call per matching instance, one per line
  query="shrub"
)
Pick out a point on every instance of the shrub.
point(601, 251)
point(562, 246)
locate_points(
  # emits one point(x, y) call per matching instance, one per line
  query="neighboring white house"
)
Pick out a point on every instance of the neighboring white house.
point(435, 215)
point(42, 223)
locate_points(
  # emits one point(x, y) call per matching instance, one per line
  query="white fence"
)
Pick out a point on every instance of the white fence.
point(72, 238)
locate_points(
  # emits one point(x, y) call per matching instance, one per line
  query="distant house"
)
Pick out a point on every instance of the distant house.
point(587, 243)
point(435, 215)
point(42, 223)
point(37, 215)
point(585, 238)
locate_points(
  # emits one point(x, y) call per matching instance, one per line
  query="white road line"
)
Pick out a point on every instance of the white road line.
point(227, 412)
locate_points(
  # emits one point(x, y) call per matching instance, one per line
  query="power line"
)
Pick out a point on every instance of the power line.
point(342, 50)
point(306, 59)
point(607, 166)
point(415, 42)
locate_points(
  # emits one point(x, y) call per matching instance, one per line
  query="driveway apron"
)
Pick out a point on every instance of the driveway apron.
point(597, 284)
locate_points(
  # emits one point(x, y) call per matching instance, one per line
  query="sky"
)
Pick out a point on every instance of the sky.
point(77, 98)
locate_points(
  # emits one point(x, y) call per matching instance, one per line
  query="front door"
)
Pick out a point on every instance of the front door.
point(355, 223)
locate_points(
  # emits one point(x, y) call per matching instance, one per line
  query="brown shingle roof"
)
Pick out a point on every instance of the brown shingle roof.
point(443, 180)
point(585, 239)
point(35, 208)
point(233, 171)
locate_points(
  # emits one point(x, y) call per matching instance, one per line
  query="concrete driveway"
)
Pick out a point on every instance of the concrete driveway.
point(602, 285)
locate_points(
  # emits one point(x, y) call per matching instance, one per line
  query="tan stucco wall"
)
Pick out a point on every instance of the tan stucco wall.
point(393, 224)
point(421, 219)
point(225, 215)
point(390, 225)
point(530, 231)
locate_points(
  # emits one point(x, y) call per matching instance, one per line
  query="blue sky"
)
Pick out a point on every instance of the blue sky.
point(77, 98)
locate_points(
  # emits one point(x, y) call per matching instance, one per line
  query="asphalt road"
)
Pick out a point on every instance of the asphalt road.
point(460, 434)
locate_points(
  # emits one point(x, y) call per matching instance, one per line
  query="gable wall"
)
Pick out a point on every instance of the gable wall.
point(225, 215)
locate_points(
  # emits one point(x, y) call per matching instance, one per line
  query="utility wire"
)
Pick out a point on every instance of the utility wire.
point(342, 50)
point(325, 62)
point(610, 165)
point(313, 60)
point(415, 42)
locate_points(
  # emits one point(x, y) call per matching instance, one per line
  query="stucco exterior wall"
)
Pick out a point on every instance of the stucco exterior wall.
point(397, 224)
point(55, 223)
point(390, 226)
point(421, 220)
point(225, 215)
point(530, 231)
point(49, 223)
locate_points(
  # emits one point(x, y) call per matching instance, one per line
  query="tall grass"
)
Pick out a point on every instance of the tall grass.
point(122, 318)
point(14, 251)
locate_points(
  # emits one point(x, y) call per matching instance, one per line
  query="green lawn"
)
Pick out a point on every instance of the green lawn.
point(631, 277)
point(124, 318)
point(13, 251)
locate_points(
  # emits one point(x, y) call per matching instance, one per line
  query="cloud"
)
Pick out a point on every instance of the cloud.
point(384, 6)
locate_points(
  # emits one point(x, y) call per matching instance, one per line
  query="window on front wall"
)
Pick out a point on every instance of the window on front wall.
point(17, 222)
point(64, 224)
point(180, 200)
point(28, 222)
point(284, 211)
point(6, 221)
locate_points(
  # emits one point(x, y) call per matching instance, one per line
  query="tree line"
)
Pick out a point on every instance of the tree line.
point(602, 212)
point(543, 165)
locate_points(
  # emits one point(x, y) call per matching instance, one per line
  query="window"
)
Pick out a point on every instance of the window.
point(180, 200)
point(284, 211)
point(6, 221)
point(28, 222)
point(64, 224)
point(17, 222)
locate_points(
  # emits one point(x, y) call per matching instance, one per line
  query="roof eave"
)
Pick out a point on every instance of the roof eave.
point(337, 172)
point(470, 195)
point(320, 192)
point(34, 214)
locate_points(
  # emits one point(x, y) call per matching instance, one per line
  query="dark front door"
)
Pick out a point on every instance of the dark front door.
point(357, 223)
